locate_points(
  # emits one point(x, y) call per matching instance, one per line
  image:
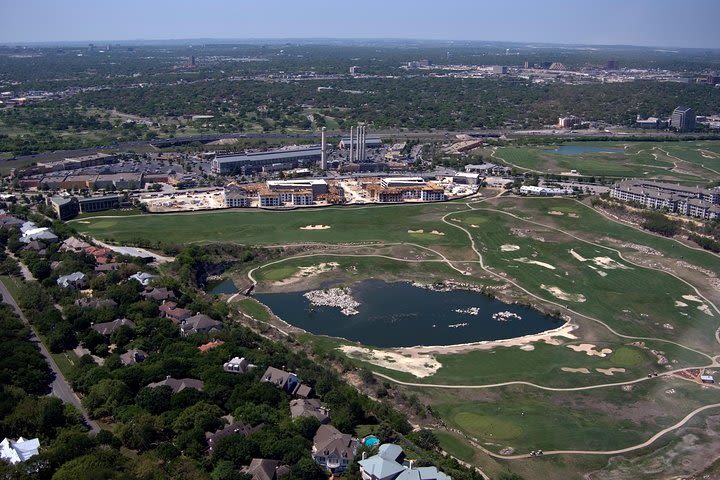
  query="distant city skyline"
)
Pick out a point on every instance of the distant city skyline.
point(653, 23)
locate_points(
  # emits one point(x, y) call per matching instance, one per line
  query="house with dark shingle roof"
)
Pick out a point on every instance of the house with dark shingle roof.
point(131, 357)
point(173, 312)
point(238, 428)
point(334, 450)
point(199, 323)
point(309, 407)
point(179, 384)
point(289, 382)
point(264, 469)
point(107, 328)
point(158, 294)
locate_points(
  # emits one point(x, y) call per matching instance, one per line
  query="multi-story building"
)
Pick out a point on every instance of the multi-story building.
point(683, 119)
point(432, 194)
point(97, 204)
point(65, 207)
point(237, 197)
point(266, 198)
point(302, 197)
point(692, 201)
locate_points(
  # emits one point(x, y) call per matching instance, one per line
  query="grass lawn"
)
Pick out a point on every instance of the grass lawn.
point(251, 307)
point(66, 361)
point(455, 446)
point(13, 284)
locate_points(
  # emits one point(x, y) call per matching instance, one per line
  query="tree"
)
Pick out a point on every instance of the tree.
point(140, 432)
point(154, 400)
point(105, 396)
point(426, 439)
point(307, 469)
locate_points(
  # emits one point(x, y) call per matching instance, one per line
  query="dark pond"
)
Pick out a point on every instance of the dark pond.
point(402, 315)
point(222, 287)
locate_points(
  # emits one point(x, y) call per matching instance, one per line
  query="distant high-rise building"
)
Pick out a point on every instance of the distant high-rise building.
point(499, 69)
point(192, 60)
point(354, 70)
point(612, 65)
point(683, 119)
point(526, 65)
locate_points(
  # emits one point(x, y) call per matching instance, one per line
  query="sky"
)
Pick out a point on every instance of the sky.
point(662, 23)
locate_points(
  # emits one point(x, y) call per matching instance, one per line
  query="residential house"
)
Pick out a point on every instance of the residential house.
point(233, 429)
point(36, 246)
point(199, 323)
point(107, 328)
point(238, 365)
point(173, 312)
point(388, 465)
point(20, 450)
point(284, 380)
point(158, 294)
point(73, 281)
point(334, 450)
point(210, 345)
point(179, 384)
point(95, 302)
point(73, 244)
point(131, 357)
point(143, 277)
point(9, 222)
point(309, 407)
point(264, 469)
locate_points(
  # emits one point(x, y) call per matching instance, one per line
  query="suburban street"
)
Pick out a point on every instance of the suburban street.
point(60, 388)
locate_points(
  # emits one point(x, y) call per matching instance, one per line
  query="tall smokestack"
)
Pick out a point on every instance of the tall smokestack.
point(362, 147)
point(323, 158)
point(352, 140)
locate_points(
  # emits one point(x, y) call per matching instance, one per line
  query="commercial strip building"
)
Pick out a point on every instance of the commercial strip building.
point(692, 201)
point(255, 162)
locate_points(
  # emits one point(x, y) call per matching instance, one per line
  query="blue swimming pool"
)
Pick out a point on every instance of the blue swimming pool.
point(371, 441)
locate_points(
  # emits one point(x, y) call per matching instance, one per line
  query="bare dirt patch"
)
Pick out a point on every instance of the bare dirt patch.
point(417, 364)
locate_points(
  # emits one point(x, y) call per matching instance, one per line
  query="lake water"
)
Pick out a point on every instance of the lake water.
point(401, 315)
point(580, 149)
point(226, 287)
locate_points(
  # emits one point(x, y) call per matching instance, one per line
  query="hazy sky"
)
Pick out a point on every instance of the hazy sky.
point(680, 23)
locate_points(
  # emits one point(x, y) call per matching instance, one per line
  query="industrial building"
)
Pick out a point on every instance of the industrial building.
point(683, 119)
point(692, 201)
point(254, 162)
point(390, 182)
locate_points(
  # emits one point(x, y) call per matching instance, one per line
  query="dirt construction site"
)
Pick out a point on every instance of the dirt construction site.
point(185, 201)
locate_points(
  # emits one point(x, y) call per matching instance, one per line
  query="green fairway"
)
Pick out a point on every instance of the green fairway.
point(684, 161)
point(254, 309)
point(455, 446)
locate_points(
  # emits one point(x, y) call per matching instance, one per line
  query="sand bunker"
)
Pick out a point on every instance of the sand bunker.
point(416, 231)
point(475, 226)
point(310, 271)
point(590, 350)
point(527, 348)
point(678, 303)
point(435, 232)
point(84, 222)
point(608, 263)
point(509, 248)
point(558, 293)
point(535, 262)
point(575, 370)
point(693, 298)
point(555, 212)
point(315, 227)
point(415, 364)
point(705, 309)
point(573, 215)
point(610, 371)
point(577, 256)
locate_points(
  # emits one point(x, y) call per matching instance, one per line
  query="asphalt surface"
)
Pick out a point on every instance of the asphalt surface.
point(60, 387)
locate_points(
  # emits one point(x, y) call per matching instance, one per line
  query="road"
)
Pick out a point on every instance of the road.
point(60, 387)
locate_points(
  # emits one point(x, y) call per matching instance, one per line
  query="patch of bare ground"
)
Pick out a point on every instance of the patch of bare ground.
point(691, 454)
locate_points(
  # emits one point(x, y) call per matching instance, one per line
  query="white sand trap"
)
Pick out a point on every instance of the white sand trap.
point(418, 365)
point(590, 350)
point(573, 215)
point(608, 263)
point(509, 247)
point(475, 226)
point(535, 262)
point(575, 370)
point(678, 303)
point(435, 232)
point(416, 231)
point(527, 348)
point(693, 298)
point(610, 371)
point(705, 309)
point(315, 227)
point(577, 256)
point(83, 221)
point(602, 274)
point(555, 212)
point(558, 293)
